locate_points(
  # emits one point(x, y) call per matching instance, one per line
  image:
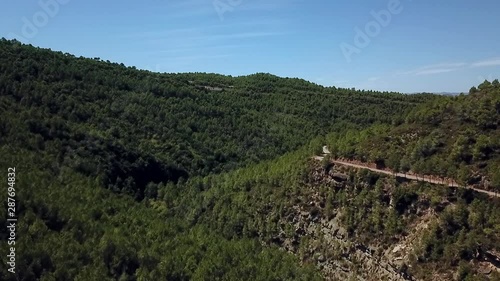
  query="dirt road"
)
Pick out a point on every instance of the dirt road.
point(408, 176)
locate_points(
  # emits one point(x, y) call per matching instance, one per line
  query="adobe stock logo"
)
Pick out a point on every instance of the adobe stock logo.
point(31, 26)
point(224, 6)
point(362, 37)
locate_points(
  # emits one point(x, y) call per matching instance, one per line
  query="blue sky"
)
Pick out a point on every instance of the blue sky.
point(398, 45)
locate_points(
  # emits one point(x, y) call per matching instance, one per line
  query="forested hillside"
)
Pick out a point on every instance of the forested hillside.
point(350, 223)
point(125, 174)
point(97, 147)
point(325, 213)
point(131, 127)
point(456, 137)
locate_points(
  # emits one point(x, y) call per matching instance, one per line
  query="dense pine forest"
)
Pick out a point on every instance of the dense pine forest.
point(126, 174)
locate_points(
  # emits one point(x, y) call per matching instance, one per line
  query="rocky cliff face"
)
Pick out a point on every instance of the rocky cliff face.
point(319, 238)
point(313, 229)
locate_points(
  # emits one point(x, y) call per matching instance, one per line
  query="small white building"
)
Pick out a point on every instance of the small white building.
point(325, 150)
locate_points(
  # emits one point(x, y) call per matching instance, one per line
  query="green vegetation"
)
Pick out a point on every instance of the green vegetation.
point(123, 174)
point(258, 202)
point(455, 137)
point(72, 229)
point(129, 127)
point(79, 128)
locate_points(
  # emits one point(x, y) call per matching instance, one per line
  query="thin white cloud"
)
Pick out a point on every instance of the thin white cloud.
point(161, 33)
point(193, 40)
point(198, 57)
point(197, 48)
point(485, 63)
point(444, 65)
point(204, 29)
point(263, 5)
point(340, 82)
point(197, 8)
point(245, 35)
point(450, 67)
point(434, 69)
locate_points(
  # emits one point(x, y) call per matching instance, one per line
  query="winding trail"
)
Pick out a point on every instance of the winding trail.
point(407, 176)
